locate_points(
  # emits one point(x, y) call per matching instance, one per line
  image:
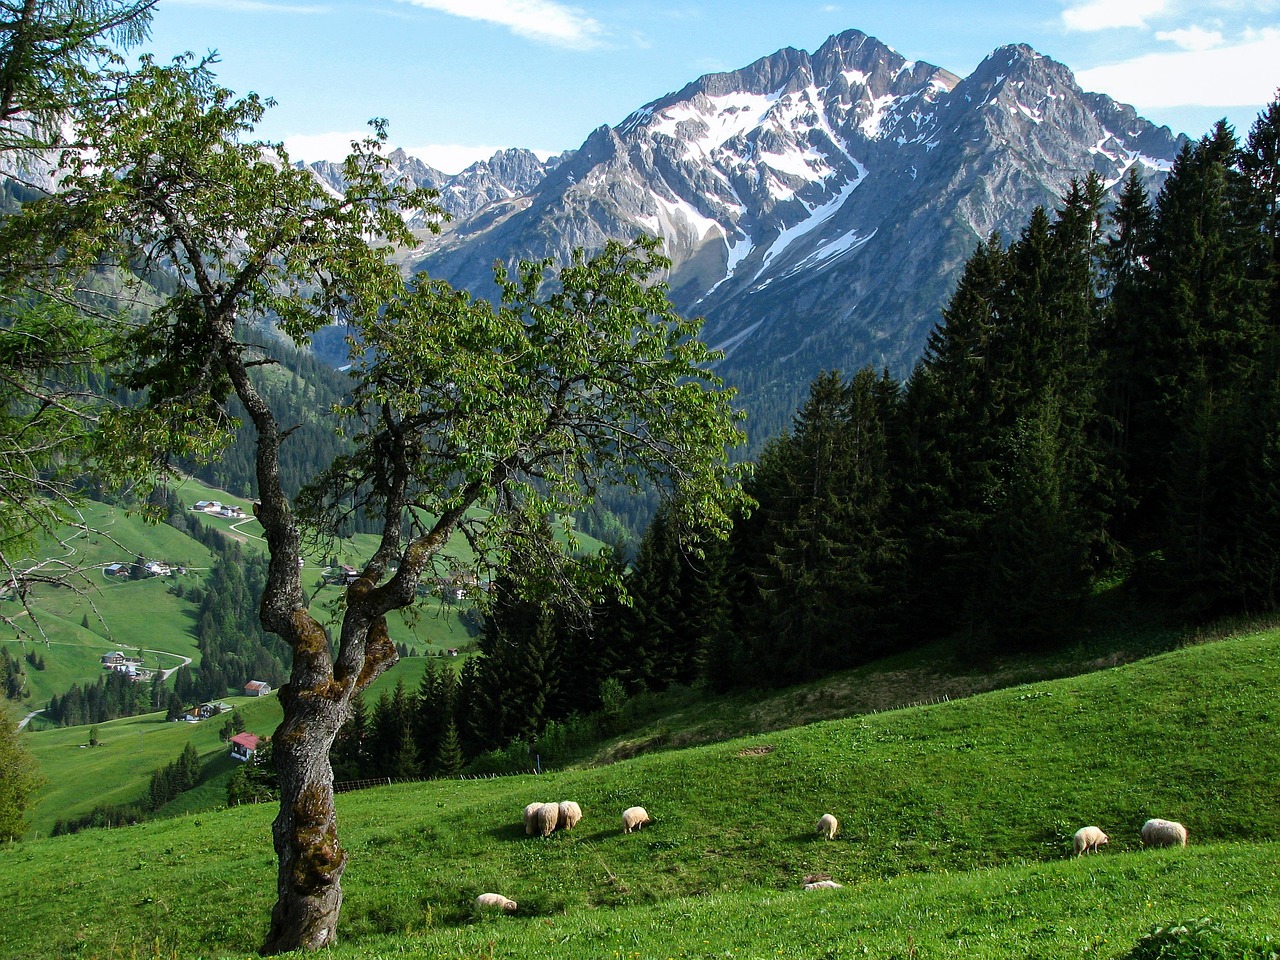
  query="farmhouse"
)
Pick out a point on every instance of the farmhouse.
point(116, 569)
point(243, 745)
point(158, 568)
point(341, 574)
point(257, 688)
point(207, 506)
point(231, 512)
point(114, 658)
point(203, 712)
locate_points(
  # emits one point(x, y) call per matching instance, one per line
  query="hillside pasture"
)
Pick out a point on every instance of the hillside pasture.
point(957, 822)
point(118, 770)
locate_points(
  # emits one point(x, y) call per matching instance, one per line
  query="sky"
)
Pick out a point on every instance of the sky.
point(459, 79)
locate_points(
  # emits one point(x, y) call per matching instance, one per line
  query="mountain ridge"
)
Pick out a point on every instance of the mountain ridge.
point(817, 207)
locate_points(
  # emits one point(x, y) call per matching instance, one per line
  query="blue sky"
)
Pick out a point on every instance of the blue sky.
point(458, 79)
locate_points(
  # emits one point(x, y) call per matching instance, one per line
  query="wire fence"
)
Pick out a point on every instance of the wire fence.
point(346, 786)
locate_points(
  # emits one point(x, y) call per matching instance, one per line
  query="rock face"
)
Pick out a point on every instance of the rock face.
point(506, 175)
point(817, 207)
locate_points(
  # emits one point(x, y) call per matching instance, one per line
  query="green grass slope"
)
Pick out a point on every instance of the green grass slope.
point(956, 818)
point(118, 771)
point(75, 624)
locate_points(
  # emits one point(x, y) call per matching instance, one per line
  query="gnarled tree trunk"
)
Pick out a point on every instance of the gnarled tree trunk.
point(305, 832)
point(311, 860)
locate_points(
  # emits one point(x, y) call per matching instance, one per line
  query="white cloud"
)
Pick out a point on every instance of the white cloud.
point(322, 146)
point(543, 20)
point(451, 157)
point(1192, 38)
point(1237, 75)
point(446, 157)
point(1108, 14)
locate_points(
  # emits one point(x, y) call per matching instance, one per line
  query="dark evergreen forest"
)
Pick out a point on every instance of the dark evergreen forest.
point(1100, 403)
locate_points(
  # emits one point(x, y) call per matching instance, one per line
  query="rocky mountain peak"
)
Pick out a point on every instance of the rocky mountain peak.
point(816, 207)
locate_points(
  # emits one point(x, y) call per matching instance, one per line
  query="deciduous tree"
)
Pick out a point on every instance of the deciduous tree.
point(465, 417)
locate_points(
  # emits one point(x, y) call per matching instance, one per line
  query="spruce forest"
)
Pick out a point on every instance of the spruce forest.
point(1098, 410)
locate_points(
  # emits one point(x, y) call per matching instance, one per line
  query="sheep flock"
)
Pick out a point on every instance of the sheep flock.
point(545, 818)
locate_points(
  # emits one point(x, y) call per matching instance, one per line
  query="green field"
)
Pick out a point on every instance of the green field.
point(118, 770)
point(957, 819)
point(74, 624)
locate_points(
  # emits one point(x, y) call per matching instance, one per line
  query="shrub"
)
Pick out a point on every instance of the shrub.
point(1202, 939)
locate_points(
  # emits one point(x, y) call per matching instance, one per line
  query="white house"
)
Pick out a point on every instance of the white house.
point(243, 745)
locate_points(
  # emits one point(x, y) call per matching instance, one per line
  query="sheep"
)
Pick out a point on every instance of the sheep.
point(495, 901)
point(528, 818)
point(1163, 833)
point(546, 818)
point(570, 814)
point(823, 885)
point(633, 818)
point(1088, 840)
point(828, 826)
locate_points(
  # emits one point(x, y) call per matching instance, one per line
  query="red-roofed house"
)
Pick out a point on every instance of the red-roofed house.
point(257, 688)
point(243, 745)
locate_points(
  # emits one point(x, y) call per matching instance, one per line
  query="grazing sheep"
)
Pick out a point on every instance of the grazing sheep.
point(1088, 840)
point(1163, 833)
point(828, 826)
point(495, 901)
point(823, 885)
point(570, 814)
point(528, 818)
point(633, 818)
point(546, 818)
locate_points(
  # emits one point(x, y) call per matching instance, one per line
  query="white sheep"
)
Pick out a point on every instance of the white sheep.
point(546, 818)
point(823, 885)
point(495, 901)
point(570, 814)
point(1088, 840)
point(528, 818)
point(828, 826)
point(633, 818)
point(1163, 833)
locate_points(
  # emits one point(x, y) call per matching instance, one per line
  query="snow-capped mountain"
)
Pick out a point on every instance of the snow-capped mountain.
point(817, 207)
point(504, 176)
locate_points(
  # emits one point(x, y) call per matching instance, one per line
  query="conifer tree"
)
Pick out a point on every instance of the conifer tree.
point(949, 451)
point(661, 650)
point(448, 759)
point(349, 754)
point(433, 713)
point(824, 543)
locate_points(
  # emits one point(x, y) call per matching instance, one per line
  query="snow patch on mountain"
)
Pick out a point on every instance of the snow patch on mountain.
point(679, 215)
point(705, 123)
point(830, 251)
point(879, 107)
point(816, 218)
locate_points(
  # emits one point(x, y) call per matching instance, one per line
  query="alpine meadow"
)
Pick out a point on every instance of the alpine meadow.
point(391, 567)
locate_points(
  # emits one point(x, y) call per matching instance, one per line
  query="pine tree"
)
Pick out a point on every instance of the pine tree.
point(1128, 338)
point(449, 760)
point(349, 754)
point(433, 712)
point(661, 650)
point(824, 546)
point(949, 450)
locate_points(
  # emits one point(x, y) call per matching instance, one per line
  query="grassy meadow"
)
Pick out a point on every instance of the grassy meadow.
point(76, 623)
point(117, 771)
point(956, 828)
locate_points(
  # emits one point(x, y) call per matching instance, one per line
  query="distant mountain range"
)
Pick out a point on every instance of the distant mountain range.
point(818, 207)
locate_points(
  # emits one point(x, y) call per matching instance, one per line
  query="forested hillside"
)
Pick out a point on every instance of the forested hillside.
point(1098, 408)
